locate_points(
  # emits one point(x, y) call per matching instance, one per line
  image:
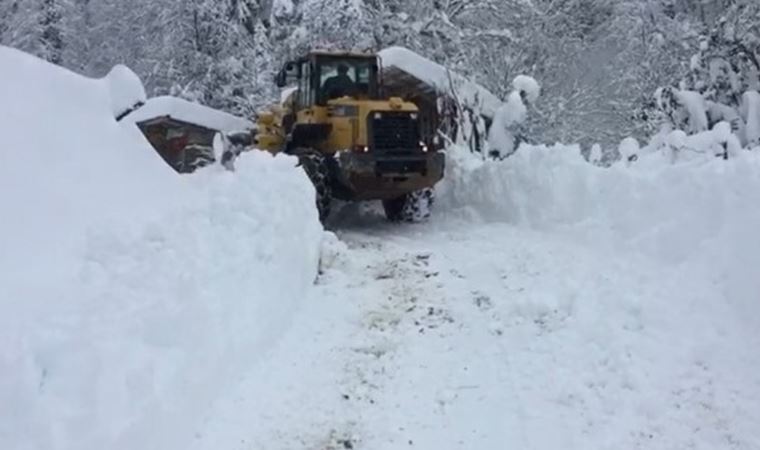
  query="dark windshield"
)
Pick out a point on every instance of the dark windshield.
point(346, 77)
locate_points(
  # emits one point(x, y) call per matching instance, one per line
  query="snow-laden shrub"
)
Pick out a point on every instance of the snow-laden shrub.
point(718, 92)
point(686, 110)
point(507, 130)
point(692, 125)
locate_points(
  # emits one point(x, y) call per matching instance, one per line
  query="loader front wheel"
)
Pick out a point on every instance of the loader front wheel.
point(411, 207)
point(315, 165)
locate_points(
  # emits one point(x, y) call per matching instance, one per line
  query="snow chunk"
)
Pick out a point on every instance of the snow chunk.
point(125, 89)
point(724, 137)
point(333, 251)
point(695, 62)
point(595, 154)
point(283, 8)
point(697, 109)
point(186, 111)
point(629, 148)
point(439, 77)
point(676, 139)
point(527, 85)
point(722, 131)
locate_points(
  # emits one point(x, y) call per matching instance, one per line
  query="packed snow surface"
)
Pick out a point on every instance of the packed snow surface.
point(131, 297)
point(186, 111)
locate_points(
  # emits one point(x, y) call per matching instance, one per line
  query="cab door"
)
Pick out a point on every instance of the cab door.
point(305, 88)
point(311, 127)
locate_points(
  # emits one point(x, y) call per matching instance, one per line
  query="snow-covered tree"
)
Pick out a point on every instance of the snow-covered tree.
point(599, 61)
point(507, 130)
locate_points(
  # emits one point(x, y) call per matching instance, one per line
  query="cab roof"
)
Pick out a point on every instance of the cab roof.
point(342, 54)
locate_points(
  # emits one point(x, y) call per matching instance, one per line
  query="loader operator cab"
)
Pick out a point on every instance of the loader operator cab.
point(323, 76)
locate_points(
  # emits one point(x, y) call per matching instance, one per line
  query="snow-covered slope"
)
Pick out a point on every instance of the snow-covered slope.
point(130, 297)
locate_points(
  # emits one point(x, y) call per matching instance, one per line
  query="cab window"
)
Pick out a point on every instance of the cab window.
point(347, 77)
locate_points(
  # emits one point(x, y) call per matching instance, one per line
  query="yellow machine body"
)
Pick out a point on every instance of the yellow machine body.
point(356, 146)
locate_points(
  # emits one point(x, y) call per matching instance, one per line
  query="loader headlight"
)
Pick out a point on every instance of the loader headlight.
point(423, 147)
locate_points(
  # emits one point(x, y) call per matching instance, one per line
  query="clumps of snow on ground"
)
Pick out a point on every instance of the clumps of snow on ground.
point(130, 296)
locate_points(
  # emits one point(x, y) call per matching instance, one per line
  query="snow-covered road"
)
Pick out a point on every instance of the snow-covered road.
point(454, 336)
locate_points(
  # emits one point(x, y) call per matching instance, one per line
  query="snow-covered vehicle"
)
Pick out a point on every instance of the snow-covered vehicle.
point(182, 132)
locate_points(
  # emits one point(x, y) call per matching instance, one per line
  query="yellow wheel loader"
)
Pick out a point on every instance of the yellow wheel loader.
point(353, 142)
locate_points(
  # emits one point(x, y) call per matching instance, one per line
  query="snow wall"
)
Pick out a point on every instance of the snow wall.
point(130, 296)
point(700, 213)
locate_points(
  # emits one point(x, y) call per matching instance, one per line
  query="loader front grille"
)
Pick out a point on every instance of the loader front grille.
point(394, 133)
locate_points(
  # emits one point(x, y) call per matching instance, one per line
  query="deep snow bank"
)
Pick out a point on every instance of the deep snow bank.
point(130, 296)
point(700, 213)
point(664, 207)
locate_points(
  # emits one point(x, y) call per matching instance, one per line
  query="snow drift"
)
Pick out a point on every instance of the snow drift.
point(130, 296)
point(698, 213)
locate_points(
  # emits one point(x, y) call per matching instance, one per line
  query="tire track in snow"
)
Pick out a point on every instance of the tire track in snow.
point(404, 303)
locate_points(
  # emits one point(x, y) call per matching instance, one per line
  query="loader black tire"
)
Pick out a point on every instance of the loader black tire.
point(315, 165)
point(412, 207)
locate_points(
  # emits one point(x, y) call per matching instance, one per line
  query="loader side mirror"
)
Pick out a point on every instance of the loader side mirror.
point(281, 79)
point(288, 73)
